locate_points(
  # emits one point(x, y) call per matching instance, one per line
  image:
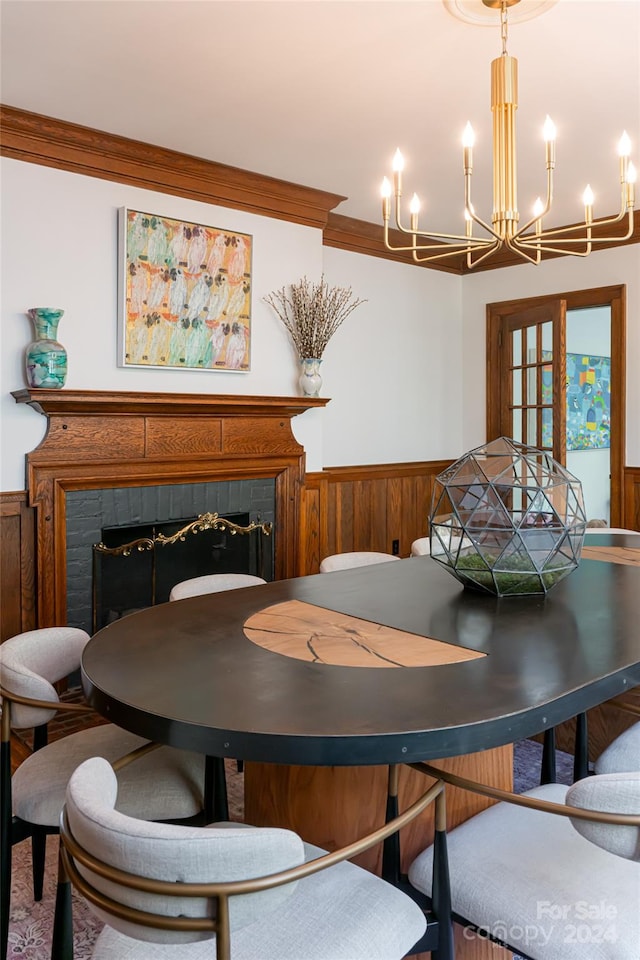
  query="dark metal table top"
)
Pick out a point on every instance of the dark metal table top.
point(185, 674)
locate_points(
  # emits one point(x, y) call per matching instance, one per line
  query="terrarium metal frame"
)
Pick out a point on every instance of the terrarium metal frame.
point(507, 519)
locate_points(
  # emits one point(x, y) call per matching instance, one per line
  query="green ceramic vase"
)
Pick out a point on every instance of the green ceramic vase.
point(46, 359)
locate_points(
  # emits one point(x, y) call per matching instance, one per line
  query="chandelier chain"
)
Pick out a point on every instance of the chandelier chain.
point(504, 26)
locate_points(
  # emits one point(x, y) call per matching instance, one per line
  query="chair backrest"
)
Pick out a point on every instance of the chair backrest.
point(31, 662)
point(213, 583)
point(421, 547)
point(344, 561)
point(172, 853)
point(623, 754)
point(610, 793)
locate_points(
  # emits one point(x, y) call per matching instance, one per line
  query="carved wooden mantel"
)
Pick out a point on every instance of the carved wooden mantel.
point(103, 439)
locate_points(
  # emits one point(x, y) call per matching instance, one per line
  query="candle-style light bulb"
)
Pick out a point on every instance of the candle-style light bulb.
point(468, 222)
point(549, 129)
point(587, 199)
point(414, 210)
point(624, 145)
point(468, 140)
point(549, 135)
point(398, 167)
point(632, 173)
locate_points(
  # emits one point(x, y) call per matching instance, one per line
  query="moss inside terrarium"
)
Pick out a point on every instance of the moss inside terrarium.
point(514, 577)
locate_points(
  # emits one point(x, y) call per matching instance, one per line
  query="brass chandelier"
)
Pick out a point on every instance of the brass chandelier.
point(530, 240)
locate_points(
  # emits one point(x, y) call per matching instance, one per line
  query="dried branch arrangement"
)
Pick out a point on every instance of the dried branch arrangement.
point(312, 312)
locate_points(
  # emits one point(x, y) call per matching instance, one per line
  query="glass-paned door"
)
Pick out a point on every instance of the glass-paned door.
point(527, 391)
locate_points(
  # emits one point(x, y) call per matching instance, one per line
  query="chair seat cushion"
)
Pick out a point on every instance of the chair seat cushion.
point(343, 913)
point(528, 878)
point(166, 784)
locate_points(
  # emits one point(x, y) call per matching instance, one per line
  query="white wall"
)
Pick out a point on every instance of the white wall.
point(620, 265)
point(388, 369)
point(391, 367)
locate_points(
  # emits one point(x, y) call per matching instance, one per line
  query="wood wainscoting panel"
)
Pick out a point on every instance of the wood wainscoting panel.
point(365, 508)
point(631, 498)
point(17, 565)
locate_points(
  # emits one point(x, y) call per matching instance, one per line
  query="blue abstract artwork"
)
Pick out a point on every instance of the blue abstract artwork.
point(588, 401)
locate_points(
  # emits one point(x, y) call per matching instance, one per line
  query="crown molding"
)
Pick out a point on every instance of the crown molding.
point(94, 153)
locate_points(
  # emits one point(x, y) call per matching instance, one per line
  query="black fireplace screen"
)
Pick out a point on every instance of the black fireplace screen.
point(136, 566)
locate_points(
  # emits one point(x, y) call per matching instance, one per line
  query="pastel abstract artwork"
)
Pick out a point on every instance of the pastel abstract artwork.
point(185, 295)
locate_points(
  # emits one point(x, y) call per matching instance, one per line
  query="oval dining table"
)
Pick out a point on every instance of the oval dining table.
point(319, 683)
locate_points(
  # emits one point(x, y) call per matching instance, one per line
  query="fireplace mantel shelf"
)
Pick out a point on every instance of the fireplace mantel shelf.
point(123, 403)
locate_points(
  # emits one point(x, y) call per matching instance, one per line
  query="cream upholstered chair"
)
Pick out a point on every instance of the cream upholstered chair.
point(421, 547)
point(356, 558)
point(164, 785)
point(622, 755)
point(605, 530)
point(213, 583)
point(551, 887)
point(197, 587)
point(340, 913)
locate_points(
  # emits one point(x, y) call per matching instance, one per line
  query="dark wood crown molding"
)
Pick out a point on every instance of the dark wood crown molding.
point(94, 153)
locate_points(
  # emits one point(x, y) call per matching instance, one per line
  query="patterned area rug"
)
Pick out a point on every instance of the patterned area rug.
point(30, 923)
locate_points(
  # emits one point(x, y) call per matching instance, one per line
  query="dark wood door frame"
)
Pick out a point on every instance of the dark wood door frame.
point(614, 297)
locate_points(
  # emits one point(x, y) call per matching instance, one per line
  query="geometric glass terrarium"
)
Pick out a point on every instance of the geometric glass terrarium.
point(507, 519)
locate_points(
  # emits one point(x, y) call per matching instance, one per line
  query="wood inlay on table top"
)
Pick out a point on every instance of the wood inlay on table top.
point(630, 555)
point(308, 632)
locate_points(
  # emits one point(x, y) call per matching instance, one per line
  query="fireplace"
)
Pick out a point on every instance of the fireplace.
point(103, 585)
point(119, 446)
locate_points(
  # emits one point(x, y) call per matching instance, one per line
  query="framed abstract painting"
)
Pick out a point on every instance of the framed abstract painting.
point(184, 295)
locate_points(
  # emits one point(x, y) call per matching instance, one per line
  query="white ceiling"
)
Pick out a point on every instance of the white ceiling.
point(321, 92)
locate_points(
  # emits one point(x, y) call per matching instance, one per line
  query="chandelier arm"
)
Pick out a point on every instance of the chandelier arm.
point(516, 248)
point(454, 251)
point(397, 217)
point(457, 251)
point(553, 236)
point(495, 246)
point(461, 243)
point(562, 231)
point(520, 248)
point(468, 206)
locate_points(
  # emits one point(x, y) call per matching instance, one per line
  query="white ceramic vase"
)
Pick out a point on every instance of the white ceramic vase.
point(310, 379)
